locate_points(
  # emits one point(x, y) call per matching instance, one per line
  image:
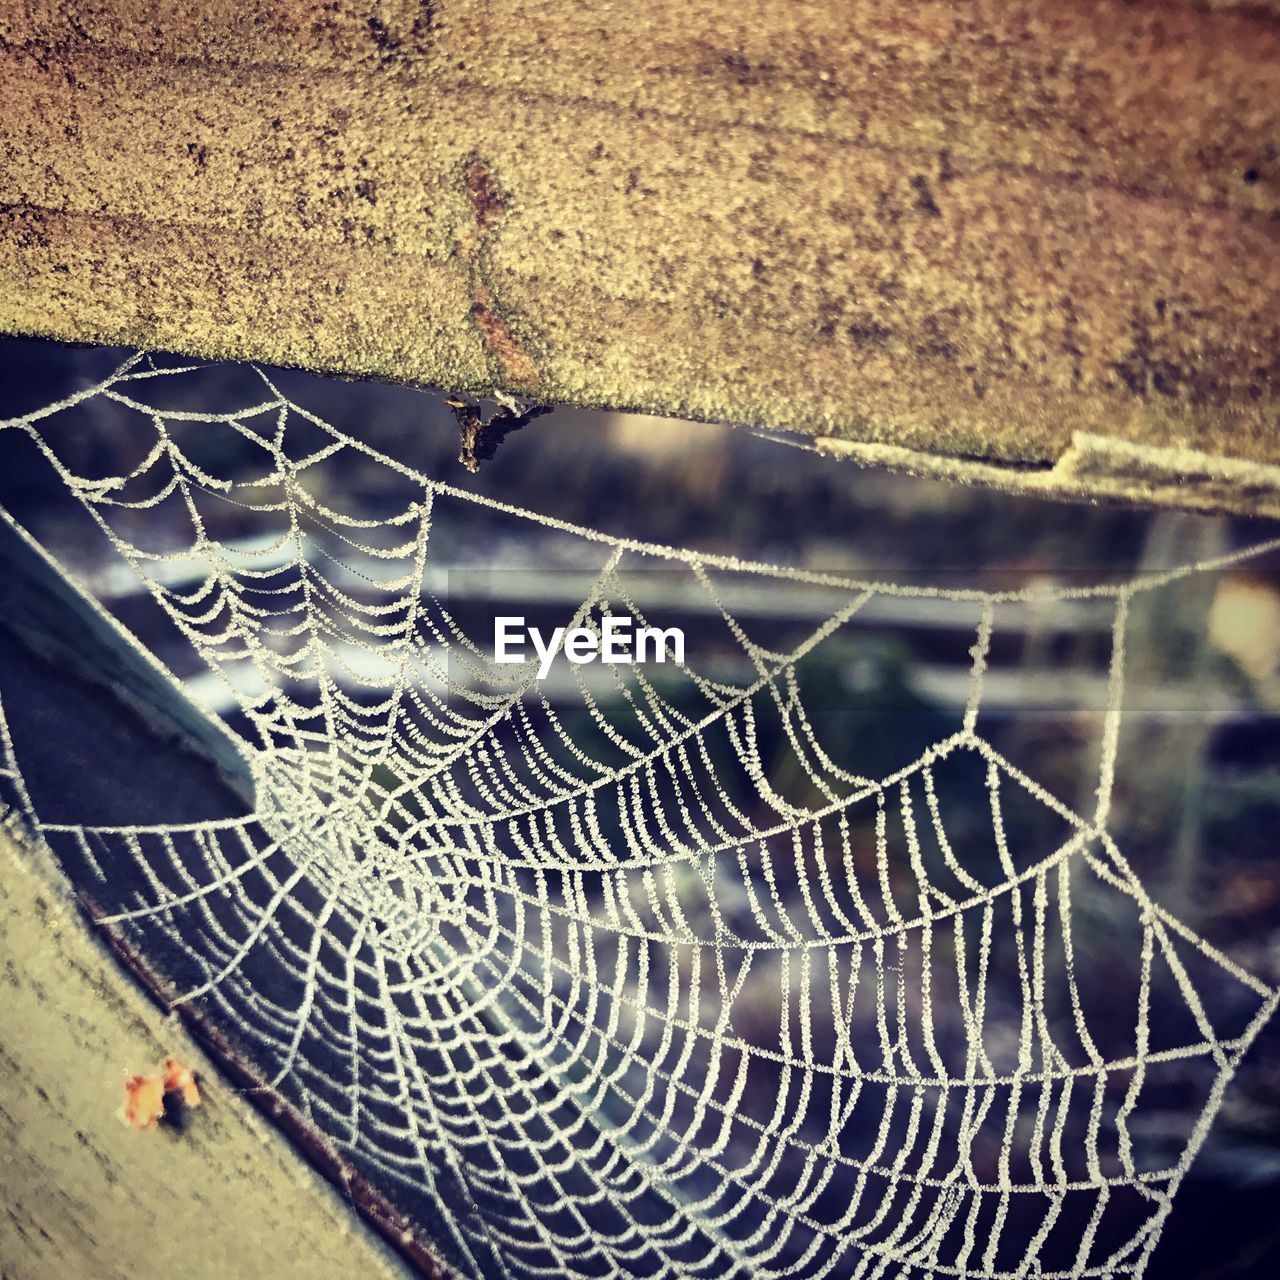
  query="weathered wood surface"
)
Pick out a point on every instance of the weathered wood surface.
point(957, 231)
point(87, 1198)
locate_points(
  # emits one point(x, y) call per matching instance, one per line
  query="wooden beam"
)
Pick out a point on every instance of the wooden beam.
point(87, 1198)
point(951, 231)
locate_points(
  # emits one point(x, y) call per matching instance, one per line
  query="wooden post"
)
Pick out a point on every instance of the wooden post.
point(1029, 243)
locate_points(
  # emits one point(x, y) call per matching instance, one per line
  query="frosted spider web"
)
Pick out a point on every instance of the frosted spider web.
point(612, 993)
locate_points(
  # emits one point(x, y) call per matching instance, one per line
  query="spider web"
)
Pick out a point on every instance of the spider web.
point(616, 993)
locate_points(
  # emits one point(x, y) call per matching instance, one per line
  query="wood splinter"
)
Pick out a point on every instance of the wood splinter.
point(481, 436)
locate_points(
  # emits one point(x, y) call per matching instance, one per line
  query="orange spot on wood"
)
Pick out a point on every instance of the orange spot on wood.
point(487, 201)
point(519, 369)
point(182, 1081)
point(145, 1097)
point(143, 1101)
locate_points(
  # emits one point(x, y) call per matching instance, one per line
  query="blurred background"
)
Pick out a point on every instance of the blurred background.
point(1197, 798)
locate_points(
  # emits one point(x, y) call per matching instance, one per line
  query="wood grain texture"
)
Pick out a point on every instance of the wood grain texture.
point(87, 1198)
point(959, 230)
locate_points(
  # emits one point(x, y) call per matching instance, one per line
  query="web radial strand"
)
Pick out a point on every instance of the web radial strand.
point(641, 979)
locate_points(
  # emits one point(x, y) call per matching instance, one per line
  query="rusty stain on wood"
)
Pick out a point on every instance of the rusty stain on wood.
point(515, 369)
